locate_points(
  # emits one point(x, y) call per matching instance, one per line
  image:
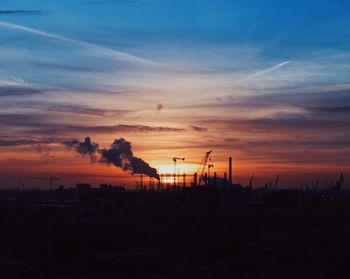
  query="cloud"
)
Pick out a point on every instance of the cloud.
point(22, 12)
point(199, 129)
point(280, 123)
point(24, 120)
point(59, 129)
point(307, 143)
point(307, 97)
point(18, 91)
point(66, 67)
point(159, 108)
point(114, 129)
point(314, 103)
point(77, 109)
point(17, 87)
point(20, 141)
point(118, 55)
point(42, 123)
point(340, 109)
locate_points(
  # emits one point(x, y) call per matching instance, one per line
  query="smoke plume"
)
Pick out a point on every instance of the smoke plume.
point(87, 147)
point(118, 154)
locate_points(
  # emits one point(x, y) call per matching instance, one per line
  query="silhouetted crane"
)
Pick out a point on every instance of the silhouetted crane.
point(210, 165)
point(51, 179)
point(175, 159)
point(203, 165)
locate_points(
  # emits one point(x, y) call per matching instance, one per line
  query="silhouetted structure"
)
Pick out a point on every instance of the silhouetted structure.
point(230, 170)
point(200, 231)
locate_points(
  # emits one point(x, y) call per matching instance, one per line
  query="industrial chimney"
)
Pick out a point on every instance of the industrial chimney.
point(230, 170)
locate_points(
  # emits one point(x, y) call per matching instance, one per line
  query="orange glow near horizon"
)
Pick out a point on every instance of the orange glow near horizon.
point(19, 163)
point(180, 168)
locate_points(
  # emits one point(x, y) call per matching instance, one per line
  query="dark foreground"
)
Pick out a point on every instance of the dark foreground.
point(196, 233)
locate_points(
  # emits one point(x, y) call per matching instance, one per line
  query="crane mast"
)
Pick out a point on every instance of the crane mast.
point(51, 179)
point(175, 159)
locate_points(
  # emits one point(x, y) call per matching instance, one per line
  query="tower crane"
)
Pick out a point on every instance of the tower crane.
point(203, 165)
point(51, 179)
point(175, 159)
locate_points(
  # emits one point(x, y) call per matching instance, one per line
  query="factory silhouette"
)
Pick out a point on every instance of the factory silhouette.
point(173, 225)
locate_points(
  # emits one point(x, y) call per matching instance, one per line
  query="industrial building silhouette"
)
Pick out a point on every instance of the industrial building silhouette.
point(197, 227)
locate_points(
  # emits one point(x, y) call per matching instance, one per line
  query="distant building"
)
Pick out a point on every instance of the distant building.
point(82, 186)
point(105, 187)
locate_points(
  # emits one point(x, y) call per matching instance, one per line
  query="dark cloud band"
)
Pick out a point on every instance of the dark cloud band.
point(22, 12)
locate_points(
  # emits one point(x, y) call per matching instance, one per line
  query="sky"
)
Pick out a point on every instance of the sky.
point(266, 82)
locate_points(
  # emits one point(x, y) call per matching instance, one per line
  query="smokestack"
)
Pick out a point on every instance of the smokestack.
point(161, 182)
point(230, 170)
point(158, 185)
point(225, 179)
point(141, 182)
point(195, 180)
point(214, 179)
point(184, 180)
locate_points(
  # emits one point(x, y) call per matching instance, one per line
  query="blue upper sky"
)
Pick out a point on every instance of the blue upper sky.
point(198, 31)
point(282, 25)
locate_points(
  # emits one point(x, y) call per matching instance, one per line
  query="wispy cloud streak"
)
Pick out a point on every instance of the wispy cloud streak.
point(266, 71)
point(118, 55)
point(21, 12)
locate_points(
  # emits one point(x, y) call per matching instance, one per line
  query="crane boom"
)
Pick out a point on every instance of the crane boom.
point(203, 165)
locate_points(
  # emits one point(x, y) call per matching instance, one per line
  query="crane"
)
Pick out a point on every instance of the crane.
point(175, 159)
point(51, 179)
point(210, 165)
point(203, 165)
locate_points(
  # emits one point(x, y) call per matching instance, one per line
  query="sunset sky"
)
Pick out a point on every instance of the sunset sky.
point(266, 82)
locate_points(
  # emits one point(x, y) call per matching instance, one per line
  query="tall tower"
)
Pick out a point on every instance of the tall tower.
point(230, 170)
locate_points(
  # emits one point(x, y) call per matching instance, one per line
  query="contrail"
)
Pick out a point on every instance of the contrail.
point(259, 73)
point(118, 55)
point(268, 70)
